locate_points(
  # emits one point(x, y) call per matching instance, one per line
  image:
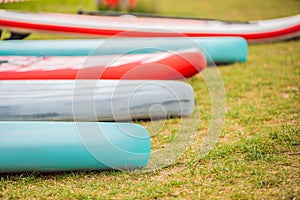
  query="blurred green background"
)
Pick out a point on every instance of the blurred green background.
point(257, 156)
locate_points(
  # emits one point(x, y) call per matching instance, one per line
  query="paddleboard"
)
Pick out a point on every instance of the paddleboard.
point(90, 100)
point(216, 49)
point(253, 31)
point(69, 146)
point(161, 65)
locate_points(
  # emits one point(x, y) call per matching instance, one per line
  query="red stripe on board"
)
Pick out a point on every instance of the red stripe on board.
point(111, 32)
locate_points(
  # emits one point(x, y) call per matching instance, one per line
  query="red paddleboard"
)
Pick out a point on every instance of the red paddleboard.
point(155, 66)
point(253, 31)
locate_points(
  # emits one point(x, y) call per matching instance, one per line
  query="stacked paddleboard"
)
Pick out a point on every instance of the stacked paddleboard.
point(255, 31)
point(217, 50)
point(91, 100)
point(155, 66)
point(64, 146)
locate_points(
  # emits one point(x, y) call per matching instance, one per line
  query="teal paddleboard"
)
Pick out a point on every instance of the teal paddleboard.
point(216, 49)
point(66, 146)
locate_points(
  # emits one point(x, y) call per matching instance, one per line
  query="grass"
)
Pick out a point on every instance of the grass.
point(257, 155)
